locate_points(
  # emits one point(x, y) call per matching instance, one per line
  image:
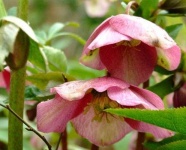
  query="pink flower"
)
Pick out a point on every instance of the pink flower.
point(83, 103)
point(5, 78)
point(129, 47)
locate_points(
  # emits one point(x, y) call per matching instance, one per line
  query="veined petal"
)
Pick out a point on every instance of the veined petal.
point(169, 58)
point(158, 132)
point(96, 32)
point(141, 29)
point(76, 90)
point(131, 64)
point(105, 132)
point(53, 115)
point(106, 37)
point(135, 96)
point(102, 36)
point(92, 59)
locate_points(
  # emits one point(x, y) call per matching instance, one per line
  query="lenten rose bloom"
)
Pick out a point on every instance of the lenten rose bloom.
point(83, 103)
point(129, 47)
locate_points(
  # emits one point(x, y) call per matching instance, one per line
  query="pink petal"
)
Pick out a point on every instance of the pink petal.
point(53, 115)
point(151, 34)
point(76, 90)
point(158, 132)
point(131, 64)
point(102, 36)
point(141, 29)
point(101, 133)
point(2, 81)
point(5, 78)
point(96, 32)
point(169, 58)
point(6, 75)
point(135, 96)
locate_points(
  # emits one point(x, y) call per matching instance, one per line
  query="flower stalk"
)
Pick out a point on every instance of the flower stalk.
point(16, 100)
point(64, 140)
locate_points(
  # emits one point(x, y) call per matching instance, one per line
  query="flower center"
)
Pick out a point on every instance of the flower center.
point(132, 43)
point(100, 102)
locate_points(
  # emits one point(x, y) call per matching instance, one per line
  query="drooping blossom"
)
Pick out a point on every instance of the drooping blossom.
point(83, 103)
point(129, 47)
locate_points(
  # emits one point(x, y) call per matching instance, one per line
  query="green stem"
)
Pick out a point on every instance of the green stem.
point(22, 10)
point(16, 100)
point(2, 9)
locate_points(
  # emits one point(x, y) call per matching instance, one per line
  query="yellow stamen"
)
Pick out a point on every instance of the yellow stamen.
point(132, 43)
point(100, 102)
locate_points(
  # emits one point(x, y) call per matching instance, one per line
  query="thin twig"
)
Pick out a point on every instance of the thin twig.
point(29, 127)
point(59, 141)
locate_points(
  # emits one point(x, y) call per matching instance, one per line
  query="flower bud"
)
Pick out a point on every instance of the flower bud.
point(18, 57)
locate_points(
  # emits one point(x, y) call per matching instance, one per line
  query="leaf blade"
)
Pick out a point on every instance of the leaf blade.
point(172, 119)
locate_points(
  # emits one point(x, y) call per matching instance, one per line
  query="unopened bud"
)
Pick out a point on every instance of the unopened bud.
point(18, 58)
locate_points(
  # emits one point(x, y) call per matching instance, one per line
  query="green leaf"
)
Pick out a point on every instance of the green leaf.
point(54, 29)
point(146, 8)
point(152, 145)
point(164, 87)
point(43, 80)
point(4, 129)
point(174, 6)
point(173, 30)
point(178, 145)
point(80, 71)
point(3, 94)
point(173, 119)
point(162, 70)
point(56, 59)
point(33, 93)
point(20, 24)
point(75, 36)
point(2, 9)
point(57, 27)
point(37, 56)
point(8, 33)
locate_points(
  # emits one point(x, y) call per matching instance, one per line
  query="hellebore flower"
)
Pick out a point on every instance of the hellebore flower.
point(129, 47)
point(83, 103)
